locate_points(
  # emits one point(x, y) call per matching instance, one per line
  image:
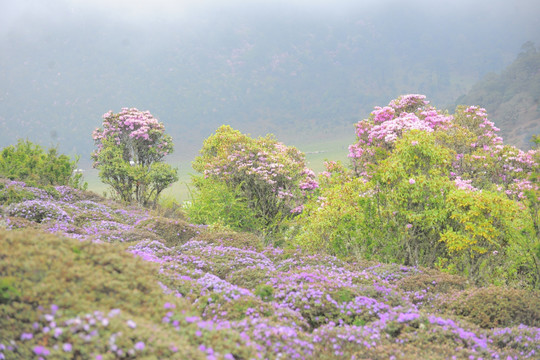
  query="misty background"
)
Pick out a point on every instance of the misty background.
point(305, 71)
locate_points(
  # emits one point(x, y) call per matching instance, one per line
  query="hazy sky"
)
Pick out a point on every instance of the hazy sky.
point(69, 61)
point(20, 14)
point(12, 10)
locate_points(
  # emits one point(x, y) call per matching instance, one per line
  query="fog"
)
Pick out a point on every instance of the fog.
point(304, 70)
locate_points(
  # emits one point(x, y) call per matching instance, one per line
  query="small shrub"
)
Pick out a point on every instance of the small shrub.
point(493, 306)
point(214, 202)
point(245, 307)
point(240, 240)
point(38, 211)
point(173, 232)
point(249, 277)
point(264, 175)
point(10, 195)
point(437, 282)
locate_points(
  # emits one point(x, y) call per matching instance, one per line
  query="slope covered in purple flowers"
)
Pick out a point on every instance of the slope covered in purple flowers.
point(82, 277)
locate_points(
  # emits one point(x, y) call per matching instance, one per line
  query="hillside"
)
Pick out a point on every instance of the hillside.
point(512, 97)
point(84, 277)
point(302, 73)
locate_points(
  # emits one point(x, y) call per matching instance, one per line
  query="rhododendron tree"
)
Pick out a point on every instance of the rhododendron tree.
point(432, 189)
point(271, 177)
point(129, 154)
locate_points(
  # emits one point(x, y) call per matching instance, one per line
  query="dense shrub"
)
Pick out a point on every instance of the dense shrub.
point(261, 174)
point(38, 211)
point(431, 189)
point(30, 163)
point(69, 299)
point(493, 307)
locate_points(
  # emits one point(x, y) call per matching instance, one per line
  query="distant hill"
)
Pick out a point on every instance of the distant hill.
point(303, 76)
point(511, 97)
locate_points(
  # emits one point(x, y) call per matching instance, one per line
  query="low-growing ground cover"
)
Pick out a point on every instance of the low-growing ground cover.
point(82, 277)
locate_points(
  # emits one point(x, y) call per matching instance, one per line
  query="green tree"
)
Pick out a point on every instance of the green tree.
point(130, 150)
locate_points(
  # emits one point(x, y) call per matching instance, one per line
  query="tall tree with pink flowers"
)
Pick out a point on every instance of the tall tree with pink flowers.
point(130, 151)
point(429, 188)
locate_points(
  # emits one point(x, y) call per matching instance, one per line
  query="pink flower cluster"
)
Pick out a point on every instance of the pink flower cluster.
point(478, 122)
point(480, 160)
point(464, 184)
point(139, 130)
point(387, 124)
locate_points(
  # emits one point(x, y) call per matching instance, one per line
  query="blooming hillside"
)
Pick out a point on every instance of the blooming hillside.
point(82, 277)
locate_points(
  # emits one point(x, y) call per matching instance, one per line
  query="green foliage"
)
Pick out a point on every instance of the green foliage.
point(8, 292)
point(30, 163)
point(11, 194)
point(214, 202)
point(265, 292)
point(80, 278)
point(395, 216)
point(344, 295)
point(345, 220)
point(489, 238)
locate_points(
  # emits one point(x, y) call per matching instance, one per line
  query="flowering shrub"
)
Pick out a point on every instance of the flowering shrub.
point(226, 296)
point(39, 211)
point(431, 189)
point(129, 155)
point(271, 177)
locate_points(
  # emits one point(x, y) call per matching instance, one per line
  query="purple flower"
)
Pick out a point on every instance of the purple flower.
point(131, 324)
point(41, 350)
point(139, 346)
point(168, 305)
point(412, 181)
point(406, 317)
point(26, 336)
point(67, 347)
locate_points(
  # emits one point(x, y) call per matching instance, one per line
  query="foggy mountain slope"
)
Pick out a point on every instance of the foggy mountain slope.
point(294, 70)
point(512, 97)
